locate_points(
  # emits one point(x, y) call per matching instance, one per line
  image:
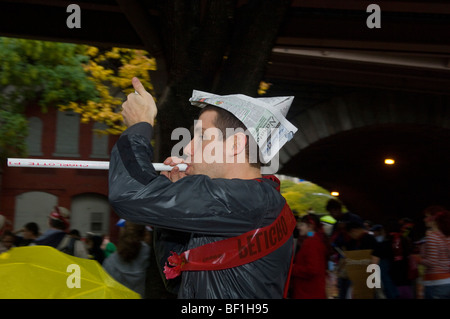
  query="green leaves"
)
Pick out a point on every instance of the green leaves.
point(13, 131)
point(48, 73)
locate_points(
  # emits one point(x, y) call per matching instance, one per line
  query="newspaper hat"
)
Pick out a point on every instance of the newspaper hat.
point(265, 118)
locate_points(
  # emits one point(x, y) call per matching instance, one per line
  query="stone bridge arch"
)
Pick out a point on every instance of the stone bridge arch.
point(359, 110)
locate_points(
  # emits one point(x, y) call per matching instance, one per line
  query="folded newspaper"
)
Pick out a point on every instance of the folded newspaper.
point(265, 118)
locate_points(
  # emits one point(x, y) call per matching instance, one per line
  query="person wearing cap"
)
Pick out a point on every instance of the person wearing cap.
point(57, 237)
point(58, 221)
point(240, 243)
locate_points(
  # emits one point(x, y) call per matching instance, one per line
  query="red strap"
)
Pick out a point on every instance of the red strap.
point(288, 279)
point(272, 178)
point(235, 251)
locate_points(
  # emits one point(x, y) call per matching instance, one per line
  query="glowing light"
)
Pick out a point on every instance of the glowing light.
point(389, 161)
point(335, 193)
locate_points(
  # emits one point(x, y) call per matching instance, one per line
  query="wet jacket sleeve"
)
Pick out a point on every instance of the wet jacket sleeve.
point(195, 203)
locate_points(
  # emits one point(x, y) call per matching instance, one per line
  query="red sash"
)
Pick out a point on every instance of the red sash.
point(235, 251)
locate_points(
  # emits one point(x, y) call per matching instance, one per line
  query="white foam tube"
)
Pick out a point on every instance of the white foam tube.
point(80, 164)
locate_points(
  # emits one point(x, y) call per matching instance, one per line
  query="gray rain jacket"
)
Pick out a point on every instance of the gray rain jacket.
point(209, 209)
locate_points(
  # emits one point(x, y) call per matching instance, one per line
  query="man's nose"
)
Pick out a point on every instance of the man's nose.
point(188, 149)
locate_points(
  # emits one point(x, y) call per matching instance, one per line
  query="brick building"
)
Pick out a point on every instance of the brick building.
point(28, 194)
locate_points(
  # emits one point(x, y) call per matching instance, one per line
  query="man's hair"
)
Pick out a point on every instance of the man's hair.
point(58, 224)
point(224, 120)
point(33, 228)
point(130, 241)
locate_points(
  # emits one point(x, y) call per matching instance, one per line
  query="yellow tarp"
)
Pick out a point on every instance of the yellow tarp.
point(40, 272)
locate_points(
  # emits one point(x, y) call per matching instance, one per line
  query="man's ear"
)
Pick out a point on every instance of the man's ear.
point(240, 141)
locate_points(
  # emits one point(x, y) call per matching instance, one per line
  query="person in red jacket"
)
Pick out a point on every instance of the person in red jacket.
point(309, 271)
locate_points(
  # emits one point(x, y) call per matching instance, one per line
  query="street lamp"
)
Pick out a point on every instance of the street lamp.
point(335, 194)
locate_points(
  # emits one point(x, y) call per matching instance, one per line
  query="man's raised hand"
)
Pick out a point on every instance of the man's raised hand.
point(139, 107)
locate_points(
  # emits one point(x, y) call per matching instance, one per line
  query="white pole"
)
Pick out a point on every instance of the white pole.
point(80, 164)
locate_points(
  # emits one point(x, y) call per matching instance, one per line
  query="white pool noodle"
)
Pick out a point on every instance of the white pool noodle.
point(80, 164)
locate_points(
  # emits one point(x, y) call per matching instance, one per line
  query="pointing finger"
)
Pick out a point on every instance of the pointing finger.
point(138, 86)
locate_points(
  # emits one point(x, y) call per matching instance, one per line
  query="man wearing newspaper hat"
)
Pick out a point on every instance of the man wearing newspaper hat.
point(240, 243)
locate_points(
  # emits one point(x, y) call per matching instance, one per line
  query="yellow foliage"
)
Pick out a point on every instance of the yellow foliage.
point(263, 87)
point(92, 51)
point(107, 80)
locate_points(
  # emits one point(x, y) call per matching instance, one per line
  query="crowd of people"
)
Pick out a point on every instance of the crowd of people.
point(405, 263)
point(320, 255)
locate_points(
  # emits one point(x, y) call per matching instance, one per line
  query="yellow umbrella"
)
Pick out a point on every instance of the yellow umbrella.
point(38, 272)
